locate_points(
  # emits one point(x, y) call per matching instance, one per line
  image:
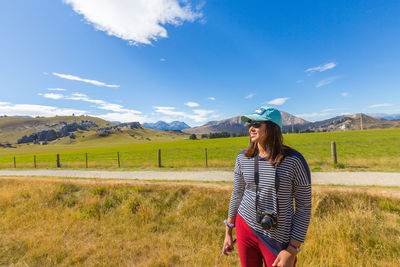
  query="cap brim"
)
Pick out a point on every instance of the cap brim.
point(248, 118)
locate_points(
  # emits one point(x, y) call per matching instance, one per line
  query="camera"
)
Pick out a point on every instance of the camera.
point(267, 219)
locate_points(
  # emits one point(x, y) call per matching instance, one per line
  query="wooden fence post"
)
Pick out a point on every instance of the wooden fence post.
point(119, 163)
point(333, 151)
point(159, 158)
point(58, 161)
point(15, 163)
point(206, 158)
point(34, 161)
point(86, 160)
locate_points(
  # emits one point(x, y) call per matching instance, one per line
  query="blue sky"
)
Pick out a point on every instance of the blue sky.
point(196, 61)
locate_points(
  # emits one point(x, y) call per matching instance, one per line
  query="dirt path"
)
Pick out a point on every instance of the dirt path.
point(336, 178)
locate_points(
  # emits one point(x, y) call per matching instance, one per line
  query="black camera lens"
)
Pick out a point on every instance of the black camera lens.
point(267, 222)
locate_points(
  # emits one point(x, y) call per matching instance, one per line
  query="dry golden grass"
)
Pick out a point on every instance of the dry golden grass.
point(46, 222)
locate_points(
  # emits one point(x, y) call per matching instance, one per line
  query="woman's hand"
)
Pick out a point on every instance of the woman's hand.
point(284, 259)
point(228, 243)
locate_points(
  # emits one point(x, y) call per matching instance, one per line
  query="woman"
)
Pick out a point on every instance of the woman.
point(268, 177)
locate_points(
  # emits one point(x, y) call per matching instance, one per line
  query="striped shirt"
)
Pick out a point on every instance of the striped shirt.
point(294, 183)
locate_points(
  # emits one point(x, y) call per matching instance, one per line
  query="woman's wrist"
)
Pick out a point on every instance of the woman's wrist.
point(228, 230)
point(230, 224)
point(292, 251)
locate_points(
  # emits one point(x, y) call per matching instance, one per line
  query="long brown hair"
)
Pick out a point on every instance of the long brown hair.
point(276, 151)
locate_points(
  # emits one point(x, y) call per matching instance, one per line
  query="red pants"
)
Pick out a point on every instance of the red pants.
point(252, 251)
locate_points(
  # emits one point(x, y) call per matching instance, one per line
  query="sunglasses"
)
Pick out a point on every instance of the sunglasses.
point(255, 124)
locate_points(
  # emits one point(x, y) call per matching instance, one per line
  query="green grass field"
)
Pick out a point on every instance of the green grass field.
point(369, 150)
point(110, 223)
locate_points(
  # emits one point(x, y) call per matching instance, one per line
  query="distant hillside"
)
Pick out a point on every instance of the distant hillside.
point(348, 122)
point(384, 116)
point(164, 126)
point(231, 125)
point(235, 125)
point(291, 123)
point(75, 130)
point(14, 128)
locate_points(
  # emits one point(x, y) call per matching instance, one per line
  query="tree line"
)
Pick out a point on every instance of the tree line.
point(218, 135)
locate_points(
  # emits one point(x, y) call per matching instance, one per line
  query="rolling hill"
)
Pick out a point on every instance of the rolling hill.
point(77, 130)
point(349, 123)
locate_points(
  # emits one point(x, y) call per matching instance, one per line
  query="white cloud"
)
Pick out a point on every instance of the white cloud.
point(164, 108)
point(250, 96)
point(200, 115)
point(323, 114)
point(52, 95)
point(380, 105)
point(203, 112)
point(331, 109)
point(313, 115)
point(123, 117)
point(169, 111)
point(37, 110)
point(321, 68)
point(192, 104)
point(278, 101)
point(299, 81)
point(344, 94)
point(56, 89)
point(211, 98)
point(326, 81)
point(137, 21)
point(50, 111)
point(162, 59)
point(79, 95)
point(100, 104)
point(76, 78)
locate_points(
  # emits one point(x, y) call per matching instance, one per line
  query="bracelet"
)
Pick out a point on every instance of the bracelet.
point(230, 225)
point(296, 248)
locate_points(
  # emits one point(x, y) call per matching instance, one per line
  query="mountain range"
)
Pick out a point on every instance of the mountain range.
point(164, 126)
point(384, 116)
point(292, 123)
point(235, 125)
point(21, 129)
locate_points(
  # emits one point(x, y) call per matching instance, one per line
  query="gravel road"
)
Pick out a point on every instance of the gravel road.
point(339, 178)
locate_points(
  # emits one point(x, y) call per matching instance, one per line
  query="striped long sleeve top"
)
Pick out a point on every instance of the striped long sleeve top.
point(294, 184)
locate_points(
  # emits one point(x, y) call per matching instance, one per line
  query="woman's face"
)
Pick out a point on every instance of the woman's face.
point(258, 135)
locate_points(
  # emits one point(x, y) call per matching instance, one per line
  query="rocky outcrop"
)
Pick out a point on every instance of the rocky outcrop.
point(6, 145)
point(28, 138)
point(129, 125)
point(51, 135)
point(106, 131)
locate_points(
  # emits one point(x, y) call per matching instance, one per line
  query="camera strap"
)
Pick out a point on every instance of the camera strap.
point(256, 181)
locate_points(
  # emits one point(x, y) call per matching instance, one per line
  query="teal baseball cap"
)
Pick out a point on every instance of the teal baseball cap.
point(264, 113)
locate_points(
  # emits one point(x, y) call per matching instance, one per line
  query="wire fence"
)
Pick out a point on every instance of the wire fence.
point(156, 158)
point(380, 154)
